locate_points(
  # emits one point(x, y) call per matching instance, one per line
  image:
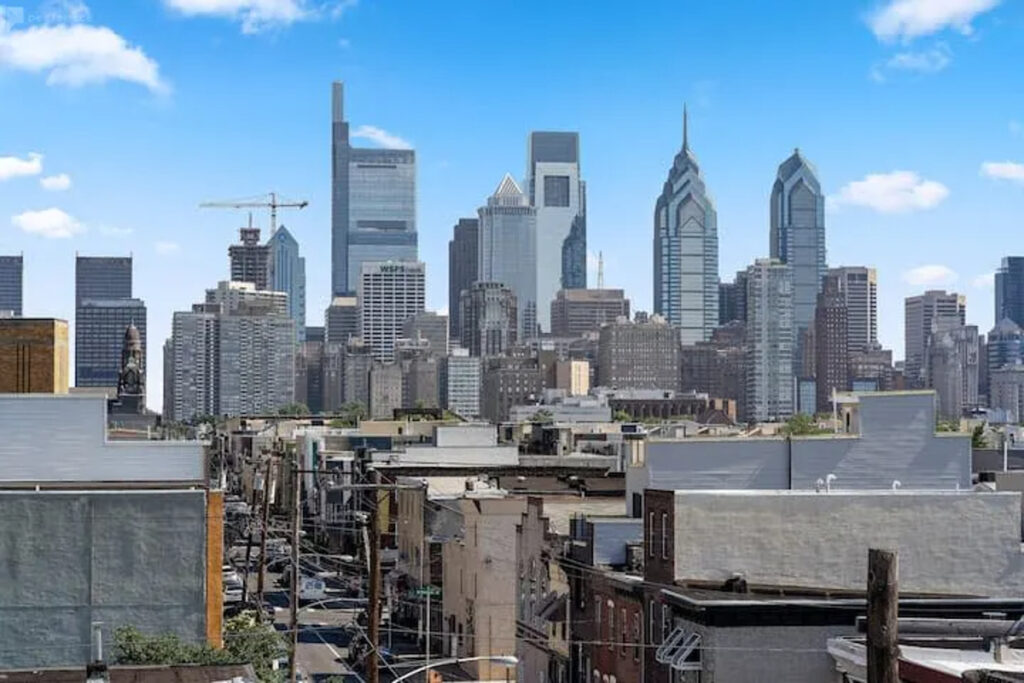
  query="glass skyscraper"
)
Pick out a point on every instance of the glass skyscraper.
point(373, 203)
point(1010, 290)
point(11, 288)
point(287, 273)
point(686, 250)
point(798, 236)
point(104, 308)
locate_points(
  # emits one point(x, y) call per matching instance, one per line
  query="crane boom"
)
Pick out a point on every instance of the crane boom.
point(272, 203)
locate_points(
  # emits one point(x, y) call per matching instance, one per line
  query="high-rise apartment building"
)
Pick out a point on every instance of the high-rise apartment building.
point(390, 293)
point(489, 317)
point(429, 326)
point(859, 286)
point(923, 314)
point(463, 262)
point(460, 384)
point(11, 285)
point(33, 356)
point(287, 273)
point(797, 235)
point(508, 250)
point(831, 340)
point(249, 259)
point(373, 203)
point(559, 197)
point(575, 312)
point(770, 342)
point(635, 355)
point(686, 250)
point(1009, 286)
point(341, 320)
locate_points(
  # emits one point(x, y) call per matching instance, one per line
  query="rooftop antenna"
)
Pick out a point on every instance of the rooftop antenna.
point(686, 136)
point(600, 270)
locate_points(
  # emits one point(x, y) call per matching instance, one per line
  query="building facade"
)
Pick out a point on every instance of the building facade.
point(463, 262)
point(769, 342)
point(639, 355)
point(1004, 345)
point(461, 384)
point(33, 356)
point(952, 369)
point(1006, 391)
point(373, 203)
point(933, 310)
point(574, 312)
point(341, 320)
point(798, 235)
point(508, 250)
point(558, 194)
point(430, 326)
point(287, 273)
point(99, 333)
point(509, 381)
point(102, 277)
point(11, 285)
point(686, 250)
point(489, 315)
point(832, 351)
point(1009, 286)
point(385, 390)
point(390, 292)
point(250, 260)
point(859, 286)
point(310, 370)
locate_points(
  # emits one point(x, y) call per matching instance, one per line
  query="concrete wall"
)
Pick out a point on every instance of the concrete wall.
point(74, 557)
point(485, 456)
point(967, 543)
point(63, 438)
point(611, 536)
point(469, 435)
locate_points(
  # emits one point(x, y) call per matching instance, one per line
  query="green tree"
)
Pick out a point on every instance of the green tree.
point(622, 416)
point(294, 409)
point(947, 426)
point(349, 415)
point(802, 425)
point(542, 416)
point(978, 437)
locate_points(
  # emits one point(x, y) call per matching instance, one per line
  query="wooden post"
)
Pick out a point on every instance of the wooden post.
point(883, 648)
point(296, 525)
point(373, 604)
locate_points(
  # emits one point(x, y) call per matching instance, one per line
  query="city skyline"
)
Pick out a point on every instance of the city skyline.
point(911, 239)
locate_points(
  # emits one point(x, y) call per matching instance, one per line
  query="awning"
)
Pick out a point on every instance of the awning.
point(681, 650)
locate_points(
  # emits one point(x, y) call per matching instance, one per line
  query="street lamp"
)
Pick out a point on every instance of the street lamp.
point(507, 660)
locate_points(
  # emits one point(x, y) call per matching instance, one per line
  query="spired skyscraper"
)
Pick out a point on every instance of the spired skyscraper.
point(798, 236)
point(286, 272)
point(560, 197)
point(373, 203)
point(686, 250)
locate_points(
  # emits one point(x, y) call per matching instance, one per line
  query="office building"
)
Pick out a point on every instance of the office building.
point(831, 341)
point(769, 342)
point(509, 381)
point(356, 384)
point(1009, 286)
point(859, 286)
point(717, 367)
point(732, 300)
point(1004, 346)
point(249, 259)
point(872, 370)
point(420, 375)
point(287, 273)
point(489, 319)
point(102, 277)
point(33, 356)
point(385, 390)
point(638, 355)
point(797, 236)
point(686, 250)
point(574, 312)
point(333, 378)
point(463, 262)
point(390, 293)
point(429, 326)
point(559, 196)
point(341, 320)
point(461, 384)
point(310, 370)
point(373, 203)
point(99, 336)
point(952, 369)
point(508, 250)
point(11, 285)
point(1006, 391)
point(571, 376)
point(933, 310)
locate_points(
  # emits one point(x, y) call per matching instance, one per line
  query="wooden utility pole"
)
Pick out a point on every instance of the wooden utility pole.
point(264, 523)
point(248, 540)
point(883, 606)
point(296, 526)
point(373, 604)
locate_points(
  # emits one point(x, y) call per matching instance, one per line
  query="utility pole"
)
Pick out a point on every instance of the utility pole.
point(296, 525)
point(883, 648)
point(264, 523)
point(373, 604)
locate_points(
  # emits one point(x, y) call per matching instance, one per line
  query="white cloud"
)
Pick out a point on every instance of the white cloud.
point(15, 167)
point(1004, 170)
point(381, 137)
point(984, 281)
point(48, 223)
point(64, 12)
point(56, 183)
point(930, 275)
point(908, 19)
point(77, 54)
point(926, 61)
point(257, 16)
point(167, 247)
point(895, 192)
point(113, 231)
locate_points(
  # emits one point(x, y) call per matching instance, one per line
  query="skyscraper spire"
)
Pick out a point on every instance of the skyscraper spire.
point(686, 138)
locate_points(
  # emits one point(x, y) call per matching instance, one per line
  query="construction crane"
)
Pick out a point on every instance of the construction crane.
point(269, 200)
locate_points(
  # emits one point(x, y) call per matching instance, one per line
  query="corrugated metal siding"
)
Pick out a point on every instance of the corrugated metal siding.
point(710, 465)
point(63, 439)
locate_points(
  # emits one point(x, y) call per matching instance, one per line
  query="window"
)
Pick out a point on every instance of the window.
point(611, 625)
point(637, 636)
point(623, 628)
point(664, 536)
point(556, 190)
point(650, 534)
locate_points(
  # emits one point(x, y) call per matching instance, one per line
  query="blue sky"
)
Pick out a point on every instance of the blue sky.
point(912, 111)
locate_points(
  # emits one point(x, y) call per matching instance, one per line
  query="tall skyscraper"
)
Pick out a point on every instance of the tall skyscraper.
point(463, 262)
point(559, 196)
point(859, 286)
point(104, 308)
point(686, 249)
point(249, 259)
point(1009, 286)
point(770, 342)
point(373, 203)
point(310, 370)
point(508, 250)
point(390, 293)
point(341, 320)
point(952, 368)
point(489, 314)
point(831, 339)
point(11, 285)
point(798, 235)
point(934, 310)
point(287, 273)
point(1005, 345)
